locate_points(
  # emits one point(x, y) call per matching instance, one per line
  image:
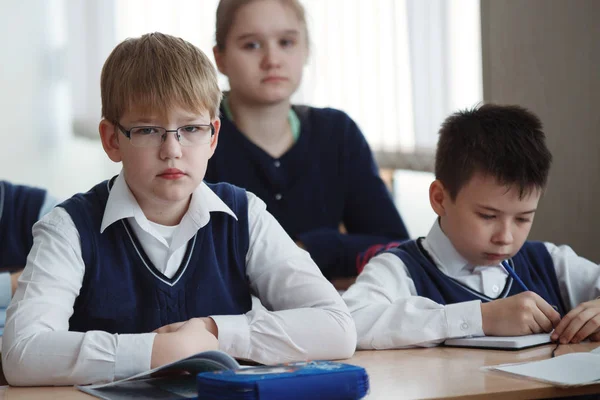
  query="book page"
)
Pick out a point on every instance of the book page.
point(171, 388)
point(566, 370)
point(201, 362)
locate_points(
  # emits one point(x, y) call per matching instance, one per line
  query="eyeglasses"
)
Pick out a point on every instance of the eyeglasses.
point(154, 136)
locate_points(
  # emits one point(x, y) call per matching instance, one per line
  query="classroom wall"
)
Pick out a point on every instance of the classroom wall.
point(24, 78)
point(37, 145)
point(545, 55)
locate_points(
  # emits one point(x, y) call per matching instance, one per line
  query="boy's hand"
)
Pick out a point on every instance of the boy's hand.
point(582, 322)
point(522, 314)
point(180, 340)
point(169, 328)
point(210, 324)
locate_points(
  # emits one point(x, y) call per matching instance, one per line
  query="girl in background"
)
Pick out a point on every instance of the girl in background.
point(312, 166)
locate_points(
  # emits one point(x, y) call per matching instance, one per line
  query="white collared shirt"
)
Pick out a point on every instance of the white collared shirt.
point(389, 313)
point(309, 321)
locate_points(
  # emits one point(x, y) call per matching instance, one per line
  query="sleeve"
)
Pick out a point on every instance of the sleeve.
point(18, 212)
point(370, 216)
point(37, 346)
point(304, 317)
point(27, 242)
point(389, 314)
point(578, 278)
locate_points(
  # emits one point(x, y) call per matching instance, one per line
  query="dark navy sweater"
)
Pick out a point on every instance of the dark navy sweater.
point(123, 292)
point(327, 178)
point(19, 210)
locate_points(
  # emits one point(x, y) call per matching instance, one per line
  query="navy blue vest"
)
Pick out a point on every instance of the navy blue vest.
point(123, 292)
point(19, 210)
point(532, 264)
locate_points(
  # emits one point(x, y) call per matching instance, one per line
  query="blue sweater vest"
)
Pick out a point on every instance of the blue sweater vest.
point(532, 264)
point(122, 292)
point(19, 210)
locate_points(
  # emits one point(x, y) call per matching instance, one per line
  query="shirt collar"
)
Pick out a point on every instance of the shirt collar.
point(204, 201)
point(443, 253)
point(122, 204)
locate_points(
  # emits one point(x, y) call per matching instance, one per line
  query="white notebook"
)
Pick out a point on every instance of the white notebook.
point(500, 342)
point(574, 369)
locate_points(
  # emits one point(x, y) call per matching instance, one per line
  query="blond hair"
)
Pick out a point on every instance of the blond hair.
point(227, 9)
point(157, 72)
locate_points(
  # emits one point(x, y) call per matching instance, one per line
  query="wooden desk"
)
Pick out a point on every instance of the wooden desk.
point(445, 372)
point(433, 373)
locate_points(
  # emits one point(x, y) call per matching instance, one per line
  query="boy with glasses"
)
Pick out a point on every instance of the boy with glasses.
point(155, 265)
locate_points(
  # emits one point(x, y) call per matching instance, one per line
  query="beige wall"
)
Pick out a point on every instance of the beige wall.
point(545, 55)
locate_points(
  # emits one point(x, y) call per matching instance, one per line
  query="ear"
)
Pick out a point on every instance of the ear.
point(109, 134)
point(438, 196)
point(219, 60)
point(215, 138)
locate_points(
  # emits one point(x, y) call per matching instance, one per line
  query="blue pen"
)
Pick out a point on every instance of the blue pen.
point(514, 275)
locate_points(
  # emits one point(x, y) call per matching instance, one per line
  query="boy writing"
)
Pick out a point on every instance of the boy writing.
point(154, 264)
point(475, 273)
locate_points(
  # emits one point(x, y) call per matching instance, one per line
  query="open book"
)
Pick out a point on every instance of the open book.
point(574, 369)
point(171, 381)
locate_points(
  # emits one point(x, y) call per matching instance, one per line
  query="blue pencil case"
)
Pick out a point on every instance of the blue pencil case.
point(293, 381)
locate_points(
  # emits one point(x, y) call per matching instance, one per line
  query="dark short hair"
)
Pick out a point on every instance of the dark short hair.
point(503, 141)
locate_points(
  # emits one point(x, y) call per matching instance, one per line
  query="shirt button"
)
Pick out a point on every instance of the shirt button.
point(495, 288)
point(278, 196)
point(277, 164)
point(464, 326)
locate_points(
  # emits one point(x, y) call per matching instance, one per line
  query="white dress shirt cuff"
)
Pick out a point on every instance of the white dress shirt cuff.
point(234, 335)
point(464, 319)
point(5, 289)
point(134, 354)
